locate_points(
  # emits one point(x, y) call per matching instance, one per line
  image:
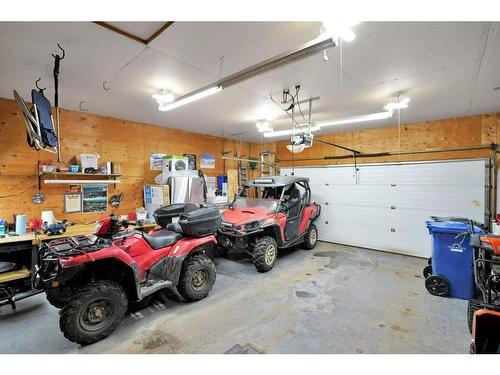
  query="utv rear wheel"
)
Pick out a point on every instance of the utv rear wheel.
point(265, 252)
point(93, 312)
point(197, 278)
point(311, 237)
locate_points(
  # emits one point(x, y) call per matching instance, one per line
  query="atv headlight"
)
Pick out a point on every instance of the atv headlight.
point(50, 267)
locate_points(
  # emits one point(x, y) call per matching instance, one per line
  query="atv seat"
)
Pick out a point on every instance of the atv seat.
point(161, 238)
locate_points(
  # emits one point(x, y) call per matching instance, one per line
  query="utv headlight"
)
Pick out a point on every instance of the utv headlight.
point(254, 225)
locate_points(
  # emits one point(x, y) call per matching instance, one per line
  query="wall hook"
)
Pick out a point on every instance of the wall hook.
point(81, 106)
point(104, 86)
point(63, 52)
point(36, 84)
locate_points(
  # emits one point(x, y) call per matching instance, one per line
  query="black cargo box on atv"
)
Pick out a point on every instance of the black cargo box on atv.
point(201, 222)
point(163, 215)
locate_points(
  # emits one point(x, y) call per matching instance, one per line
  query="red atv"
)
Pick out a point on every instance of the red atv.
point(271, 213)
point(95, 279)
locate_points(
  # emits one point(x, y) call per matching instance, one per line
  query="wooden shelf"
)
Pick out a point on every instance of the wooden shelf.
point(79, 174)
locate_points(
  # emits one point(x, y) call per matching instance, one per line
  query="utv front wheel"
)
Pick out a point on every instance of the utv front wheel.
point(311, 237)
point(265, 252)
point(197, 278)
point(93, 312)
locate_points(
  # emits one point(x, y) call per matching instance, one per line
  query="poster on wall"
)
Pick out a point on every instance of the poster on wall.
point(95, 198)
point(156, 161)
point(207, 160)
point(72, 202)
point(191, 161)
point(75, 188)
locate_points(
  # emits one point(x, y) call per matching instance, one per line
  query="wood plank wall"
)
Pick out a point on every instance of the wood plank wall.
point(450, 133)
point(126, 142)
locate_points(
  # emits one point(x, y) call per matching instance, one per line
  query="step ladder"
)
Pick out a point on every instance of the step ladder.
point(267, 164)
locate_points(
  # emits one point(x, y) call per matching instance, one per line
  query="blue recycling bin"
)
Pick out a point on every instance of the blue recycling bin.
point(452, 256)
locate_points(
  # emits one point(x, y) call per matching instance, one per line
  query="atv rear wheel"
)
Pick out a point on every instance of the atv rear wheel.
point(197, 278)
point(264, 253)
point(93, 312)
point(311, 237)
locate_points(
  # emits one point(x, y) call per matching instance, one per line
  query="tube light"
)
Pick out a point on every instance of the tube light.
point(280, 133)
point(191, 97)
point(354, 119)
point(397, 105)
point(81, 182)
point(314, 46)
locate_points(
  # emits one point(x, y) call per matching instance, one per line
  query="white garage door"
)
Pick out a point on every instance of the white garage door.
point(385, 206)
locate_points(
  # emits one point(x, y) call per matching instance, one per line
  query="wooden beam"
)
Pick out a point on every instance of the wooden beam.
point(120, 31)
point(159, 31)
point(132, 36)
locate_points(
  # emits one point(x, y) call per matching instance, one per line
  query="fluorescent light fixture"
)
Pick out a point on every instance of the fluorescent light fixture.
point(81, 182)
point(354, 119)
point(397, 105)
point(339, 29)
point(264, 126)
point(191, 97)
point(302, 129)
point(314, 46)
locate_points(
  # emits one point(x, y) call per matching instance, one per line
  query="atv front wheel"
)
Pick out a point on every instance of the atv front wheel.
point(311, 237)
point(197, 278)
point(93, 312)
point(57, 297)
point(265, 252)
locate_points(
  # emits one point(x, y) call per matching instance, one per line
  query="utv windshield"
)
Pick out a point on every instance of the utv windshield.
point(268, 204)
point(267, 198)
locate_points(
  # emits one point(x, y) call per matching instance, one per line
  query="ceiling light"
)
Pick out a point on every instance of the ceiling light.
point(163, 98)
point(295, 148)
point(264, 126)
point(302, 129)
point(338, 29)
point(314, 46)
point(189, 98)
point(397, 105)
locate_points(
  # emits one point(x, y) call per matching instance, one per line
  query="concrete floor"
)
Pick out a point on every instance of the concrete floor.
point(333, 299)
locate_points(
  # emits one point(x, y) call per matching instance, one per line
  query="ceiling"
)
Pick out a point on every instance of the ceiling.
point(448, 69)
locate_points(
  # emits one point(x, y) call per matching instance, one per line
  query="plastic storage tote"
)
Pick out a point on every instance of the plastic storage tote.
point(452, 259)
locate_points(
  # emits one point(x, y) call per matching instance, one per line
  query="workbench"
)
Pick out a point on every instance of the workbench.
point(24, 249)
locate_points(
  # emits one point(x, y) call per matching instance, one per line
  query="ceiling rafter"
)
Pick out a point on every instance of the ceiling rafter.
point(132, 36)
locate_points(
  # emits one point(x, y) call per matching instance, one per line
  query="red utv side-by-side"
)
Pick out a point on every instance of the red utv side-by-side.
point(96, 279)
point(270, 213)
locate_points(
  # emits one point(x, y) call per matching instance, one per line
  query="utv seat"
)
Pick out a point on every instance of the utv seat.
point(161, 238)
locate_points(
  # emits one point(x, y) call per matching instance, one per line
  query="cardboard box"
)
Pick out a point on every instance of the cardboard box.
point(155, 196)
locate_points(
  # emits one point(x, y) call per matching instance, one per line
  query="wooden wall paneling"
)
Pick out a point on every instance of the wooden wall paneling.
point(450, 133)
point(126, 142)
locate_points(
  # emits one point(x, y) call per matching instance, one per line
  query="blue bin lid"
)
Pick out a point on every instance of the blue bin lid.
point(453, 227)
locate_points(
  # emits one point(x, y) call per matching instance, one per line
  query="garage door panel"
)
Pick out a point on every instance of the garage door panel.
point(439, 197)
point(388, 207)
